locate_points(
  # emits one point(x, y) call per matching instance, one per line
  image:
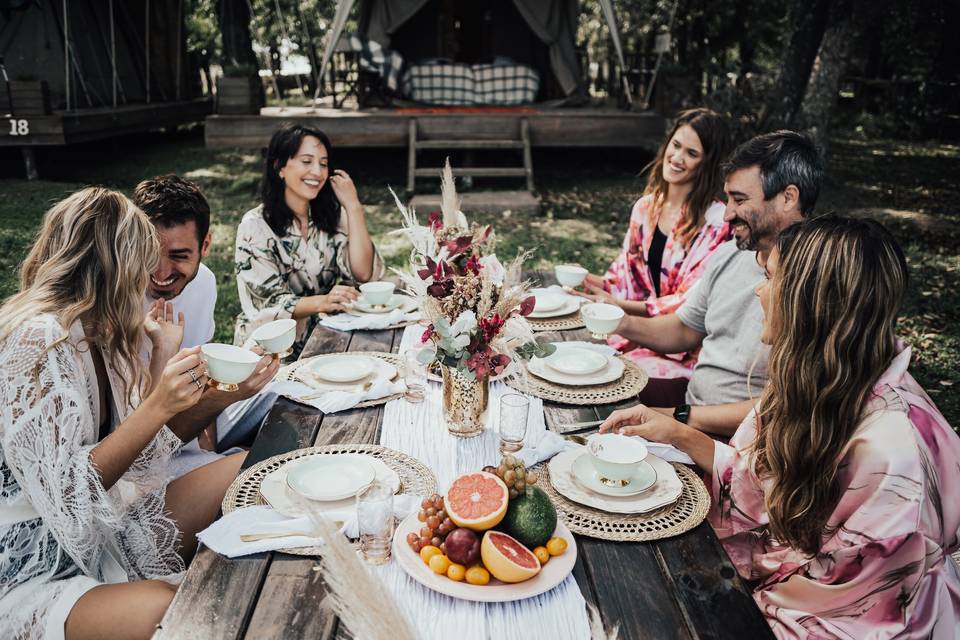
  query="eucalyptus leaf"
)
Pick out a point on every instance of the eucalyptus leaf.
point(426, 356)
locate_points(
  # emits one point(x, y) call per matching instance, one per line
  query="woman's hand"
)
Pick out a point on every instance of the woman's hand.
point(334, 301)
point(345, 190)
point(595, 294)
point(645, 422)
point(181, 383)
point(165, 331)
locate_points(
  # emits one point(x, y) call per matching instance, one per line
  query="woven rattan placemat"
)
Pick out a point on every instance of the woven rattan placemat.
point(687, 512)
point(562, 323)
point(415, 477)
point(288, 372)
point(632, 382)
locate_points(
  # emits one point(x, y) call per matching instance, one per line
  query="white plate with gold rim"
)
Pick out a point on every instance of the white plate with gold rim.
point(275, 492)
point(361, 307)
point(665, 491)
point(576, 361)
point(611, 372)
point(571, 304)
point(380, 371)
point(328, 478)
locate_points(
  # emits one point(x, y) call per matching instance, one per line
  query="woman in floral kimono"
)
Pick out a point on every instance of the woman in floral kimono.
point(674, 228)
point(92, 532)
point(308, 235)
point(834, 497)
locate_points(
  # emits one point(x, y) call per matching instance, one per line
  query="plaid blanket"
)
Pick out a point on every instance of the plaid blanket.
point(451, 83)
point(373, 57)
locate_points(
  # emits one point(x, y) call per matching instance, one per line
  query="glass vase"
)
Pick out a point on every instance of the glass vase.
point(464, 402)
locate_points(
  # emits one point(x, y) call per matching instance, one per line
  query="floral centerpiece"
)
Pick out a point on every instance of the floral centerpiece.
point(475, 307)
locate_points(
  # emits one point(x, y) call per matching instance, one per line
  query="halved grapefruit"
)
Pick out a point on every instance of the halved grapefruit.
point(477, 501)
point(506, 559)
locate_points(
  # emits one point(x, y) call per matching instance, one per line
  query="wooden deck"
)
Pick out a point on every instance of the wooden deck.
point(683, 587)
point(389, 127)
point(84, 125)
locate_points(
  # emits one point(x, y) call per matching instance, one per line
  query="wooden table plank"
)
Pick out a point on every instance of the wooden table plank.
point(296, 580)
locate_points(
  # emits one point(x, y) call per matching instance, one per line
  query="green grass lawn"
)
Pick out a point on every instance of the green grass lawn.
point(586, 203)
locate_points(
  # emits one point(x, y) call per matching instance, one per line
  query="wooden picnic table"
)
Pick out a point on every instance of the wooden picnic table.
point(681, 587)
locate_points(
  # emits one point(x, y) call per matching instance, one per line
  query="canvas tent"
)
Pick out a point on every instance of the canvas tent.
point(553, 24)
point(96, 54)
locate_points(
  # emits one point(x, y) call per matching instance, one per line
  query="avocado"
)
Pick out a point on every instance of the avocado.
point(531, 518)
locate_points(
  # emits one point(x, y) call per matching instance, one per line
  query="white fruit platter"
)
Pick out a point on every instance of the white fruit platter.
point(551, 574)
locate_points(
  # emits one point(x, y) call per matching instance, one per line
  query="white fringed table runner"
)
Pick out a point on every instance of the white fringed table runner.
point(420, 431)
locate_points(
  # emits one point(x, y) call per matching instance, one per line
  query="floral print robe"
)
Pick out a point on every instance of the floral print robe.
point(884, 569)
point(273, 272)
point(628, 278)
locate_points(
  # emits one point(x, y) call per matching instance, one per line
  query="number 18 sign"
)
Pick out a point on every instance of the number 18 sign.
point(18, 127)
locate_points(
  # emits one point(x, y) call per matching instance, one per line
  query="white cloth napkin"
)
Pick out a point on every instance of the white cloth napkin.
point(543, 448)
point(350, 322)
point(666, 452)
point(333, 401)
point(223, 536)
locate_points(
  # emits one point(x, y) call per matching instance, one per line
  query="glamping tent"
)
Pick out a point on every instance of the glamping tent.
point(539, 35)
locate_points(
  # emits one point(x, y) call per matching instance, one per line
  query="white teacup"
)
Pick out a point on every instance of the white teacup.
point(601, 318)
point(276, 337)
point(570, 275)
point(228, 365)
point(377, 293)
point(615, 457)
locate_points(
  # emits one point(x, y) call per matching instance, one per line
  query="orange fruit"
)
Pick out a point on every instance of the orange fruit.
point(478, 575)
point(542, 554)
point(477, 501)
point(439, 564)
point(456, 571)
point(506, 559)
point(428, 552)
point(556, 546)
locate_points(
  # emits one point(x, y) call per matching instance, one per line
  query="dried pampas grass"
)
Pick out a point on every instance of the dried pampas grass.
point(357, 597)
point(449, 201)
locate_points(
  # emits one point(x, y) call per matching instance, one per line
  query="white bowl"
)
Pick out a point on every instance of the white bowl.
point(570, 275)
point(601, 318)
point(276, 336)
point(228, 364)
point(615, 456)
point(545, 302)
point(377, 293)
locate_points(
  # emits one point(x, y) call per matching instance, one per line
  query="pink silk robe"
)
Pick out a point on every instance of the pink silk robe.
point(628, 278)
point(884, 569)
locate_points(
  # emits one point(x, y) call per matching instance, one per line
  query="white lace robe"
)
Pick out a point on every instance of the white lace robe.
point(81, 534)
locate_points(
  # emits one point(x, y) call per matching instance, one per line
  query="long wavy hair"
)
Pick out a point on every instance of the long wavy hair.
point(833, 307)
point(711, 128)
point(91, 261)
point(324, 209)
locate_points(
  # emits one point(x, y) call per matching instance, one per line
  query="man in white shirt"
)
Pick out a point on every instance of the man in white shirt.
point(180, 302)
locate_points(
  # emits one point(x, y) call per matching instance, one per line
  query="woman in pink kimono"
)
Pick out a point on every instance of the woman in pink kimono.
point(674, 228)
point(833, 498)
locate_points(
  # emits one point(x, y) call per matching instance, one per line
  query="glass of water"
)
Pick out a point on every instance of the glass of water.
point(514, 408)
point(375, 521)
point(414, 377)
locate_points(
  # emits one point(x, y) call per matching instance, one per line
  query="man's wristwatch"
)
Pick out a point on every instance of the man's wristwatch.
point(682, 413)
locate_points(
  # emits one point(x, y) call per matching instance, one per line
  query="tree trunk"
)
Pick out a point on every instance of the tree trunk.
point(820, 97)
point(234, 19)
point(806, 20)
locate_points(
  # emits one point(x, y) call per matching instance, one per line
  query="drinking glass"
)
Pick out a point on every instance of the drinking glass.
point(375, 521)
point(414, 377)
point(514, 408)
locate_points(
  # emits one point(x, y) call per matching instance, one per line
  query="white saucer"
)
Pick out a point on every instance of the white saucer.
point(643, 478)
point(576, 361)
point(546, 302)
point(395, 302)
point(613, 370)
point(275, 492)
point(341, 368)
point(571, 304)
point(664, 492)
point(329, 477)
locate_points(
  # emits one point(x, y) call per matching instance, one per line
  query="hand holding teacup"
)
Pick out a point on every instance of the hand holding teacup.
point(615, 457)
point(277, 337)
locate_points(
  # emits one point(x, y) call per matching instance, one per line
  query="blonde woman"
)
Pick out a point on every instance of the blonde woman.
point(837, 497)
point(90, 530)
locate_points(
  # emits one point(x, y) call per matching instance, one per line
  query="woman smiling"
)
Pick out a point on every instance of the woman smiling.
point(835, 497)
point(308, 235)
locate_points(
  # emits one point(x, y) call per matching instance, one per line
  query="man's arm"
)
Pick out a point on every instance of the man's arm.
point(663, 334)
point(718, 419)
